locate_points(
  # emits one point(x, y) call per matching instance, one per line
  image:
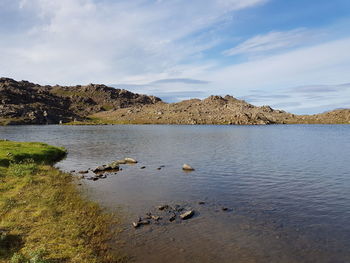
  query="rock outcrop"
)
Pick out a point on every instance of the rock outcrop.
point(22, 102)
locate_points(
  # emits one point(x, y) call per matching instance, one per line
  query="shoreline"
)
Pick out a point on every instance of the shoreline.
point(44, 215)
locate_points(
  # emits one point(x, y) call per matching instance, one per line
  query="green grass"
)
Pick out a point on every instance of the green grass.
point(15, 152)
point(43, 216)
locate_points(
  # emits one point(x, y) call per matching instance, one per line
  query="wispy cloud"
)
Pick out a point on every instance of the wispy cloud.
point(312, 89)
point(272, 41)
point(110, 41)
point(185, 81)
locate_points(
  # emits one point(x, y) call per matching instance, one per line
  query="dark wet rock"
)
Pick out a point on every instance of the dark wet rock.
point(159, 168)
point(142, 167)
point(130, 160)
point(101, 168)
point(187, 215)
point(201, 203)
point(156, 218)
point(114, 165)
point(82, 177)
point(106, 168)
point(72, 171)
point(140, 222)
point(178, 208)
point(172, 217)
point(148, 216)
point(163, 207)
point(187, 167)
point(83, 172)
point(224, 208)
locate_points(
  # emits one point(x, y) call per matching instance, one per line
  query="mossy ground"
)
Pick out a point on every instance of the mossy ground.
point(43, 216)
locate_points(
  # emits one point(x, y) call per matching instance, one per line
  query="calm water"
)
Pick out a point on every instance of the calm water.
point(288, 188)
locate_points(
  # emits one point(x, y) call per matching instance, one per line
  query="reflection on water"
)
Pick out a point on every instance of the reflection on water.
point(288, 187)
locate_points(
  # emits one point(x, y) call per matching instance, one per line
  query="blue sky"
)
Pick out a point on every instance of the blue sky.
point(293, 55)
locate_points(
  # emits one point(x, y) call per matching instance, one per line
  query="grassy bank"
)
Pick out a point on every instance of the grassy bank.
point(43, 216)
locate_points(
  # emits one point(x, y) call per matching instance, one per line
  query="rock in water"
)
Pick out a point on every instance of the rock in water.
point(172, 218)
point(114, 165)
point(102, 168)
point(163, 207)
point(120, 162)
point(187, 215)
point(187, 167)
point(130, 160)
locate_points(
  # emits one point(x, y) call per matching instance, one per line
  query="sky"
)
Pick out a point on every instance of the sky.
point(293, 55)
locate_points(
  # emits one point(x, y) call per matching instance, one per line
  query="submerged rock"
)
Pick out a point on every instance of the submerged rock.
point(114, 165)
point(162, 207)
point(106, 167)
point(102, 168)
point(187, 167)
point(172, 218)
point(187, 215)
point(156, 218)
point(140, 222)
point(83, 172)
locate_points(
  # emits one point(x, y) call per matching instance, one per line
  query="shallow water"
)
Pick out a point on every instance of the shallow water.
point(287, 187)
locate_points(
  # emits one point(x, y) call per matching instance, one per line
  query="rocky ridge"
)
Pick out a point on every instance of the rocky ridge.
point(22, 102)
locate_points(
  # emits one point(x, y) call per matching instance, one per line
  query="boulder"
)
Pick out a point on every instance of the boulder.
point(130, 160)
point(114, 165)
point(187, 167)
point(187, 215)
point(163, 207)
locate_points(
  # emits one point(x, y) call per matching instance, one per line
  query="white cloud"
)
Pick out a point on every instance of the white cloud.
point(80, 41)
point(327, 63)
point(140, 41)
point(272, 41)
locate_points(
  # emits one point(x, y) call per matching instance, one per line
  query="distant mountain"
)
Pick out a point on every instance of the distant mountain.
point(22, 102)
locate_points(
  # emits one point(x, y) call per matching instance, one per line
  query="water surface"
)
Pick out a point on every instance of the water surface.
point(287, 187)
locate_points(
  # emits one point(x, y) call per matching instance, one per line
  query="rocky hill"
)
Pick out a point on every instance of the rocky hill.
point(22, 102)
point(27, 103)
point(212, 110)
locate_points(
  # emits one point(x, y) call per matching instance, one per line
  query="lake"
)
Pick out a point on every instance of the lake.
point(286, 187)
